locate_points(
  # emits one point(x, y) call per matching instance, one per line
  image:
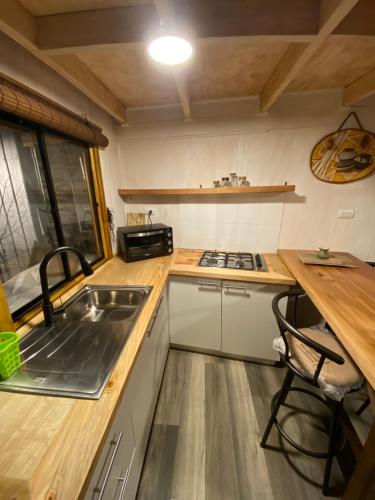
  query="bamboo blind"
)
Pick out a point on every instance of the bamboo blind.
point(27, 105)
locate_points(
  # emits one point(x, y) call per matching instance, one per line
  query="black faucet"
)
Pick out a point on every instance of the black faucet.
point(46, 304)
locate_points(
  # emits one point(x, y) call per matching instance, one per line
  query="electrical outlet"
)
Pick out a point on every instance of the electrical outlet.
point(346, 214)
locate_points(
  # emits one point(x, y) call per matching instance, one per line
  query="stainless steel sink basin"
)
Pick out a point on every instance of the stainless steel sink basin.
point(104, 304)
point(76, 355)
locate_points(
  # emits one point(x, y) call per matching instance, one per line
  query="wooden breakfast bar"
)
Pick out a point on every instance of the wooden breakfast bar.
point(346, 299)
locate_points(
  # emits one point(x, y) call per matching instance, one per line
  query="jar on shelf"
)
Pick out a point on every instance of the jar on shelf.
point(217, 184)
point(234, 179)
point(242, 182)
point(225, 182)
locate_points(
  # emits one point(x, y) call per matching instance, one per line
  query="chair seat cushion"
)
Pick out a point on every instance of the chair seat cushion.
point(306, 359)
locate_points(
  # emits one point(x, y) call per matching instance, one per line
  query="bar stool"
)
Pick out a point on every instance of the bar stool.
point(319, 359)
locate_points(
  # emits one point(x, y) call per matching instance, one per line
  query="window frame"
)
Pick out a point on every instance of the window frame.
point(28, 311)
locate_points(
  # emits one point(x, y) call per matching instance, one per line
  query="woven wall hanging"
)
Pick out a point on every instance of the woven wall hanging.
point(345, 155)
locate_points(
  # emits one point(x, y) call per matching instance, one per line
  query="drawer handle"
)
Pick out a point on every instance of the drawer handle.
point(125, 477)
point(208, 283)
point(108, 471)
point(228, 288)
point(149, 331)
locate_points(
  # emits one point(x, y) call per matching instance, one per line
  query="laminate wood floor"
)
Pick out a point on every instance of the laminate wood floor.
point(204, 443)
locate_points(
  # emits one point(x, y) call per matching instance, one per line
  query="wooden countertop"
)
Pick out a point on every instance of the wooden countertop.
point(48, 444)
point(185, 263)
point(346, 299)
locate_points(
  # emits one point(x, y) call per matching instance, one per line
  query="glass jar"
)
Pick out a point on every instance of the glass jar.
point(234, 179)
point(225, 182)
point(242, 182)
point(217, 184)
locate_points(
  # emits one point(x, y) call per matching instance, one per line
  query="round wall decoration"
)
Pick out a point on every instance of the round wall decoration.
point(345, 155)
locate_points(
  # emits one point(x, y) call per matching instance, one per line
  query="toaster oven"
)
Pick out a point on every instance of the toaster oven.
point(144, 242)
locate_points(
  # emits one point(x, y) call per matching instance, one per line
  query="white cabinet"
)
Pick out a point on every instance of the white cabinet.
point(144, 385)
point(195, 312)
point(232, 317)
point(117, 473)
point(248, 323)
point(111, 475)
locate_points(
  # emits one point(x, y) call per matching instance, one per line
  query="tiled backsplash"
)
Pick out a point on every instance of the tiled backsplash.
point(244, 225)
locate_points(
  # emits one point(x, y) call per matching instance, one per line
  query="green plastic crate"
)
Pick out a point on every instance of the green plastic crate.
point(9, 354)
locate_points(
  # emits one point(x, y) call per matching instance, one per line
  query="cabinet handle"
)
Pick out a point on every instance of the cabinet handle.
point(125, 477)
point(153, 319)
point(228, 288)
point(208, 283)
point(101, 489)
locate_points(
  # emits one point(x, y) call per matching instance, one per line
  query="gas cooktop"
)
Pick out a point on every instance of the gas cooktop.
point(231, 260)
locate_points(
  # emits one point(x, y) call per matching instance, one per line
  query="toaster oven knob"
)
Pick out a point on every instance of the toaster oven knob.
point(169, 241)
point(169, 250)
point(169, 234)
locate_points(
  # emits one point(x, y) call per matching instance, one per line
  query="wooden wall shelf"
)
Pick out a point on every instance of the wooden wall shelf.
point(207, 191)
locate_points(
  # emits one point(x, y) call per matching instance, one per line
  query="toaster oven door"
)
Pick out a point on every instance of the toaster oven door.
point(146, 245)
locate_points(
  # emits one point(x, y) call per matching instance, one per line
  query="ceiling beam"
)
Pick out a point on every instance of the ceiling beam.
point(17, 23)
point(166, 12)
point(74, 31)
point(297, 55)
point(359, 89)
point(183, 93)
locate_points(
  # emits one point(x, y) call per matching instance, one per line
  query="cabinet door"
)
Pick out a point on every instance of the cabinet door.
point(111, 475)
point(144, 386)
point(249, 325)
point(195, 312)
point(159, 337)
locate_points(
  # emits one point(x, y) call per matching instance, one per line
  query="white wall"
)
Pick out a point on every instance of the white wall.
point(268, 149)
point(19, 64)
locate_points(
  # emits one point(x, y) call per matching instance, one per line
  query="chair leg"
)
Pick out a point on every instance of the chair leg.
point(279, 401)
point(333, 435)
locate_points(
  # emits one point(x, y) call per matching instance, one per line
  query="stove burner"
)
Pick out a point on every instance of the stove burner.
point(212, 261)
point(230, 260)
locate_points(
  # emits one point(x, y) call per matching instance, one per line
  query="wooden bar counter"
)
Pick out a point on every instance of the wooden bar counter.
point(346, 299)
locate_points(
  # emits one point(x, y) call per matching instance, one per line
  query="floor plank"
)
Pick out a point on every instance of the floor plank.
point(189, 468)
point(205, 439)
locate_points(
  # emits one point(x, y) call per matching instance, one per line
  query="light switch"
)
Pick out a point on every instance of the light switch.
point(346, 214)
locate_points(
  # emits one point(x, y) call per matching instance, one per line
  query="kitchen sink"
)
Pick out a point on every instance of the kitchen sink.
point(104, 304)
point(76, 355)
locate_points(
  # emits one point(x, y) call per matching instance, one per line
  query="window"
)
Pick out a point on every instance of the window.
point(47, 199)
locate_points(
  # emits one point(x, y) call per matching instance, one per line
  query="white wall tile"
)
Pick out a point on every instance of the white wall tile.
point(188, 211)
point(226, 235)
point(206, 235)
point(207, 212)
point(188, 234)
point(248, 213)
point(227, 212)
point(246, 237)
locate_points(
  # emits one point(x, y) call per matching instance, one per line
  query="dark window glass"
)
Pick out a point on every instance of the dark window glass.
point(47, 199)
point(27, 230)
point(72, 180)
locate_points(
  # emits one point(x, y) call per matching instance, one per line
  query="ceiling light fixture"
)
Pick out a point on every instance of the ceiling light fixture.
point(170, 50)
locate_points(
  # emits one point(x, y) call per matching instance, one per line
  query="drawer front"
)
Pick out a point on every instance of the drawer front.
point(110, 477)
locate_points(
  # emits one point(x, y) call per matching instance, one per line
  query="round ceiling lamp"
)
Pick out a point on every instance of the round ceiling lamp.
point(170, 50)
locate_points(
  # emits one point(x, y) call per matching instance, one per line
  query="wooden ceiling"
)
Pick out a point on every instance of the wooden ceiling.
point(241, 48)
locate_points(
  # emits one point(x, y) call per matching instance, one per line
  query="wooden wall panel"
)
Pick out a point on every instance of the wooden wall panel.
point(340, 61)
point(232, 67)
